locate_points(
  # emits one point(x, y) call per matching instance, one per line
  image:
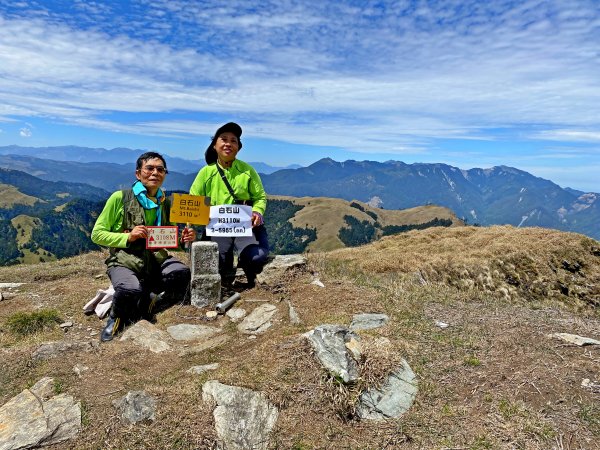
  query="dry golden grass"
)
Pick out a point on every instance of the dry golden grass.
point(493, 379)
point(327, 216)
point(10, 196)
point(527, 263)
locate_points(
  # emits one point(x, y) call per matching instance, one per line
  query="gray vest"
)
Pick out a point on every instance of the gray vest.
point(136, 257)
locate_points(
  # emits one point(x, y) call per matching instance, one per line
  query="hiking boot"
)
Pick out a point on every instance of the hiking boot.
point(113, 326)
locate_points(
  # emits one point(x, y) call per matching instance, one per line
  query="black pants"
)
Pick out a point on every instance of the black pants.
point(132, 290)
point(252, 258)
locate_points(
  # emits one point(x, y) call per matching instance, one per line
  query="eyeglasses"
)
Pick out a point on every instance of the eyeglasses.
point(160, 169)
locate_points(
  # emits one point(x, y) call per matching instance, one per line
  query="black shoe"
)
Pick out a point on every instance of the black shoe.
point(113, 326)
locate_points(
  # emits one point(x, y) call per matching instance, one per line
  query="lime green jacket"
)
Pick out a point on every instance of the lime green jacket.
point(114, 219)
point(242, 177)
point(108, 229)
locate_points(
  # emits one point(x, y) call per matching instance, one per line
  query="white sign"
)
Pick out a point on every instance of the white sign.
point(161, 237)
point(230, 220)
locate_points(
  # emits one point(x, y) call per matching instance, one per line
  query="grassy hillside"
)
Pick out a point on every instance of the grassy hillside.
point(327, 216)
point(493, 379)
point(11, 196)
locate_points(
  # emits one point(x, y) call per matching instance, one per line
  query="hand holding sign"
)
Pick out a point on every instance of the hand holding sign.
point(230, 220)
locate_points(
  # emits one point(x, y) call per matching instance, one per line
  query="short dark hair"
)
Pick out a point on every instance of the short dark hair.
point(149, 155)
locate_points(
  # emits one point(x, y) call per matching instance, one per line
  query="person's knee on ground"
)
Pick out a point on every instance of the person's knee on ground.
point(252, 260)
point(174, 286)
point(125, 304)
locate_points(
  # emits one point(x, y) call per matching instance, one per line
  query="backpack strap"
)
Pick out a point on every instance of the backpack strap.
point(227, 185)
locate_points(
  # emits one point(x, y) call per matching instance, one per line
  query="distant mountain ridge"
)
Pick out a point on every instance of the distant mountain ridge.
point(500, 195)
point(118, 155)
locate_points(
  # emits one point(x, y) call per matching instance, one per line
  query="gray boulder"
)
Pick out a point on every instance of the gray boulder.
point(243, 418)
point(36, 418)
point(336, 349)
point(275, 269)
point(393, 399)
point(136, 406)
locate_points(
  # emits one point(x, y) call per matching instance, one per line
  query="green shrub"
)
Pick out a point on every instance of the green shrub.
point(29, 323)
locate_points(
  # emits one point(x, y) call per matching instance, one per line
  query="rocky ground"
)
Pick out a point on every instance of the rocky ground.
point(489, 369)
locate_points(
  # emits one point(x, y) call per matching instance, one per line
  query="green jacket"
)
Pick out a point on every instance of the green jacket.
point(242, 177)
point(122, 212)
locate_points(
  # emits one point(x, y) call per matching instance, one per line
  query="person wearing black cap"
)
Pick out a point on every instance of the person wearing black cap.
point(227, 180)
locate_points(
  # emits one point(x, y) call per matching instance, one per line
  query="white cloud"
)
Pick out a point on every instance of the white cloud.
point(378, 75)
point(25, 132)
point(569, 135)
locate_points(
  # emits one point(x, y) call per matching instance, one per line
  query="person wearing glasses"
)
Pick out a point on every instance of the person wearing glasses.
point(134, 271)
point(228, 180)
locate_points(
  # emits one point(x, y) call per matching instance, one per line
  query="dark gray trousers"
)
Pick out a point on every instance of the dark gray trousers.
point(132, 290)
point(252, 258)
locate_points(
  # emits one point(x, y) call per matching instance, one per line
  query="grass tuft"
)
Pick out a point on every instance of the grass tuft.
point(28, 323)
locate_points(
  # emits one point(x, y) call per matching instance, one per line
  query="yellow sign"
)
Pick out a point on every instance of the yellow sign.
point(187, 208)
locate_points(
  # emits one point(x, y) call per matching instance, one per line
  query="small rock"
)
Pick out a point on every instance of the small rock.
point(100, 275)
point(236, 314)
point(318, 282)
point(148, 336)
point(93, 333)
point(294, 318)
point(197, 370)
point(68, 324)
point(368, 321)
point(79, 369)
point(211, 314)
point(252, 336)
point(442, 325)
point(259, 320)
point(587, 383)
point(136, 406)
point(575, 339)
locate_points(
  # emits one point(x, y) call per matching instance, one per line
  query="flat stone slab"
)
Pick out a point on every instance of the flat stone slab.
point(575, 339)
point(58, 348)
point(202, 346)
point(146, 335)
point(368, 321)
point(259, 320)
point(190, 332)
point(243, 418)
point(392, 399)
point(197, 370)
point(36, 418)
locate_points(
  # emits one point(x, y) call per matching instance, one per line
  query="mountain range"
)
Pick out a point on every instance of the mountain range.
point(497, 195)
point(500, 195)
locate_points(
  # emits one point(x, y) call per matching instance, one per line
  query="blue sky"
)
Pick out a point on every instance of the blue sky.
point(469, 83)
